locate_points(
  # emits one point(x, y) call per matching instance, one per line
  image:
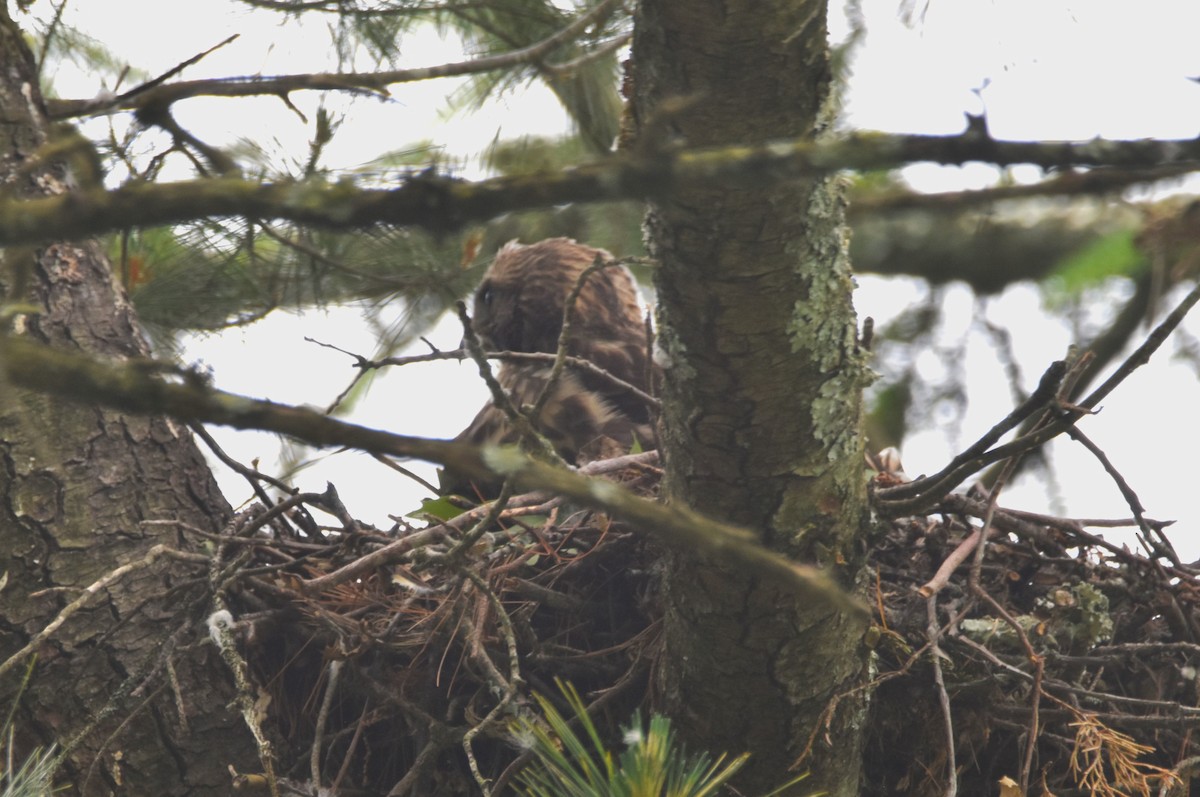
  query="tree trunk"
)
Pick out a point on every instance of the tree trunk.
point(128, 687)
point(762, 394)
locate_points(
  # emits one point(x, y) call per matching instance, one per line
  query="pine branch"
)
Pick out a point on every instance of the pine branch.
point(140, 387)
point(442, 204)
point(162, 95)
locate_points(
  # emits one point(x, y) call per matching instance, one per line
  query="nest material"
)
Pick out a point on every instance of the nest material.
point(1083, 645)
point(1090, 646)
point(434, 639)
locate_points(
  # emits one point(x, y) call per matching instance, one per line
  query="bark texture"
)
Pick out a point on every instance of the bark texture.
point(763, 381)
point(128, 686)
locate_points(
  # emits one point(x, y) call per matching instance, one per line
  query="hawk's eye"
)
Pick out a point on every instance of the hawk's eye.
point(485, 296)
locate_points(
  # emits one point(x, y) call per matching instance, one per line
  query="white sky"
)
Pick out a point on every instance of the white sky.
point(1041, 69)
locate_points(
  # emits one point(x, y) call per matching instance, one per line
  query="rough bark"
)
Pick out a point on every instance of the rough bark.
point(127, 686)
point(763, 386)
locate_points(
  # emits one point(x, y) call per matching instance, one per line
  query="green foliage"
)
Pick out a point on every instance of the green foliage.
point(1112, 255)
point(653, 764)
point(583, 80)
point(213, 275)
point(887, 421)
point(58, 42)
point(535, 153)
point(615, 226)
point(440, 508)
point(32, 777)
point(587, 90)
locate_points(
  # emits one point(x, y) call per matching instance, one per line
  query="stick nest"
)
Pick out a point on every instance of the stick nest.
point(1088, 648)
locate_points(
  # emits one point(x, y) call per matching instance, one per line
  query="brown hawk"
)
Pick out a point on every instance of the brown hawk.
point(519, 308)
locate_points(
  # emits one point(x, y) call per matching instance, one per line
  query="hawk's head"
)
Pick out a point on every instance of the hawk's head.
point(519, 304)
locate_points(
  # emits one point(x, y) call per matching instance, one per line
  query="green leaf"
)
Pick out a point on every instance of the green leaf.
point(1109, 256)
point(439, 508)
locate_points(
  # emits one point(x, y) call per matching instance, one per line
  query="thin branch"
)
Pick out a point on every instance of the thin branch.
point(599, 51)
point(921, 494)
point(334, 669)
point(175, 70)
point(507, 687)
point(1035, 696)
point(968, 461)
point(1155, 542)
point(463, 546)
point(375, 82)
point(564, 337)
point(1072, 183)
point(1141, 355)
point(88, 593)
point(139, 387)
point(220, 629)
point(530, 437)
point(403, 471)
point(578, 363)
point(251, 475)
point(932, 634)
point(951, 564)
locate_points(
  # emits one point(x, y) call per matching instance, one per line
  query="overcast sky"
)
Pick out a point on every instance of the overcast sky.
point(1040, 69)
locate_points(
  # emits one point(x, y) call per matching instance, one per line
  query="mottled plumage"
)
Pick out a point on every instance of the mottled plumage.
point(519, 308)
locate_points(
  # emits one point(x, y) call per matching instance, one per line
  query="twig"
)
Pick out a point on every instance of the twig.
point(175, 70)
point(1141, 355)
point(1069, 183)
point(220, 629)
point(131, 387)
point(500, 399)
point(506, 686)
point(564, 337)
point(89, 592)
point(932, 633)
point(396, 466)
point(599, 51)
point(920, 494)
point(361, 81)
point(1154, 541)
point(251, 475)
point(1035, 696)
point(578, 363)
point(455, 554)
point(950, 564)
point(426, 759)
point(314, 763)
point(359, 727)
point(912, 496)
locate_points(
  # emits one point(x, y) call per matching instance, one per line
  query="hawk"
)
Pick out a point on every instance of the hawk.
point(519, 308)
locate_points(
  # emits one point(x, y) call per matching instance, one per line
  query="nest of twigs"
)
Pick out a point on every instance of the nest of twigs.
point(1054, 635)
point(440, 631)
point(437, 634)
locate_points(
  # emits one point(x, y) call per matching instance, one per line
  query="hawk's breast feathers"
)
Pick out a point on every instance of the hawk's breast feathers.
point(519, 308)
